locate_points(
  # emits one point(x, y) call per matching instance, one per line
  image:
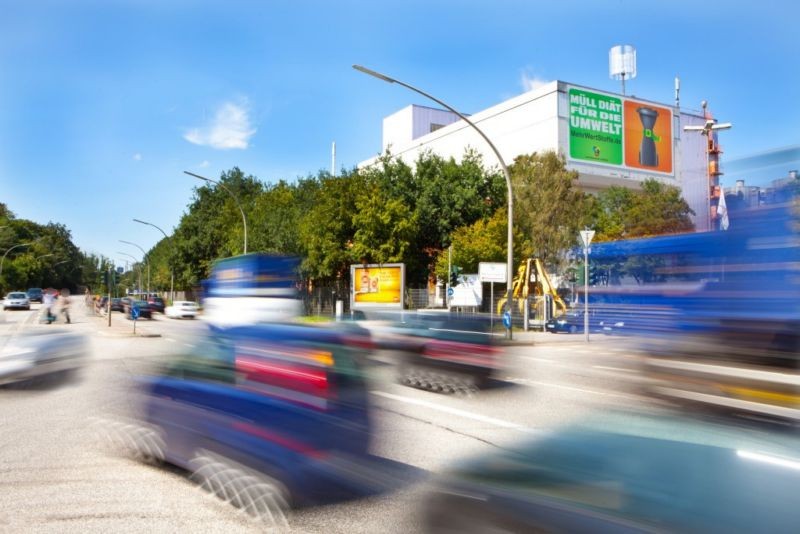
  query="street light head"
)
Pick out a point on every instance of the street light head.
point(374, 74)
point(138, 221)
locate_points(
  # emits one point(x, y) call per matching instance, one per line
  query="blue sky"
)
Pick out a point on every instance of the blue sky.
point(104, 104)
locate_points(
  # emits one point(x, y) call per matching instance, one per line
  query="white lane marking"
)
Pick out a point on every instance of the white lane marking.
point(455, 411)
point(609, 368)
point(573, 388)
point(170, 339)
point(188, 345)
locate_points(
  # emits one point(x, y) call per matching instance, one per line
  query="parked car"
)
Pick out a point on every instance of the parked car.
point(117, 305)
point(182, 309)
point(144, 310)
point(35, 294)
point(156, 304)
point(626, 473)
point(16, 300)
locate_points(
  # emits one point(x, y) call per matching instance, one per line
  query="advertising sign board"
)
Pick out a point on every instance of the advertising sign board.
point(377, 286)
point(468, 292)
point(619, 131)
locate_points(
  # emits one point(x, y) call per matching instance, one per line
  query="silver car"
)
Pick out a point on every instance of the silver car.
point(37, 353)
point(17, 300)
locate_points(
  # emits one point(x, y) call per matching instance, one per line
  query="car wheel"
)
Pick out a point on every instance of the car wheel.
point(573, 329)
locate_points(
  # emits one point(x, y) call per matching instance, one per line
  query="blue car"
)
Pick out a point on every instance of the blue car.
point(285, 405)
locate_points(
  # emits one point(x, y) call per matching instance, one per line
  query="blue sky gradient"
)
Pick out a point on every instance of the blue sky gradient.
point(104, 104)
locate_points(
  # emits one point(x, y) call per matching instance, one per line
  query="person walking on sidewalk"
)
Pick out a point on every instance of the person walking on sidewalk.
point(65, 304)
point(48, 301)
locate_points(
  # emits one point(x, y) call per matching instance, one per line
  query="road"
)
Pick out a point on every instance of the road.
point(58, 472)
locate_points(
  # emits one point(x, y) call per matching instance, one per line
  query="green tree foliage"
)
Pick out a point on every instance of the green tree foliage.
point(385, 228)
point(484, 240)
point(327, 230)
point(657, 209)
point(549, 210)
point(212, 228)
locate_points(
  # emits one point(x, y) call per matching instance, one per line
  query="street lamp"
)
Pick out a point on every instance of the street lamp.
point(144, 256)
point(510, 252)
point(171, 268)
point(137, 262)
point(238, 204)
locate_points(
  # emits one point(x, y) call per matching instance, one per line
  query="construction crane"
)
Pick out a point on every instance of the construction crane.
point(532, 281)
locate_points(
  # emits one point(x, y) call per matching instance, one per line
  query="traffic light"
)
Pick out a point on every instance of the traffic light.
point(594, 275)
point(455, 272)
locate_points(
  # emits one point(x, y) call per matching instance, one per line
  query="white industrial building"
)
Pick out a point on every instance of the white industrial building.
point(610, 139)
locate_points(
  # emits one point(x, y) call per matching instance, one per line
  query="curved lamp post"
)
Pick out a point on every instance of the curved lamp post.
point(144, 256)
point(136, 262)
point(238, 204)
point(171, 268)
point(510, 253)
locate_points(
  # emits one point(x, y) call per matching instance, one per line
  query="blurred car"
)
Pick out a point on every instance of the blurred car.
point(440, 352)
point(572, 322)
point(16, 300)
point(38, 353)
point(156, 304)
point(143, 308)
point(182, 309)
point(286, 403)
point(117, 305)
point(627, 473)
point(35, 294)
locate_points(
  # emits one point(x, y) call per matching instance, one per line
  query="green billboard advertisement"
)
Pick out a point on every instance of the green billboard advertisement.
point(595, 127)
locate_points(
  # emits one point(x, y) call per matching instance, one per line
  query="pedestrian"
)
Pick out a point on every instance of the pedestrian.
point(65, 304)
point(48, 300)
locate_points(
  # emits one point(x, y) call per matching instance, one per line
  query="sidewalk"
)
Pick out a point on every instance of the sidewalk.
point(120, 326)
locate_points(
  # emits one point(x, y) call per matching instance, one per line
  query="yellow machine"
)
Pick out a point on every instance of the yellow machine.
point(532, 281)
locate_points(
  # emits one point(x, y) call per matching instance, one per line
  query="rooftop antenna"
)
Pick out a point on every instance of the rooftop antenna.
point(677, 92)
point(622, 63)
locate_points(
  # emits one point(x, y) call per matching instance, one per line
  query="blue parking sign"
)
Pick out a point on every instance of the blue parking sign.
point(507, 319)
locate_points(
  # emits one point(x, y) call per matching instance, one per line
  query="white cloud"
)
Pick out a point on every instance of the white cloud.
point(230, 128)
point(204, 164)
point(137, 157)
point(530, 81)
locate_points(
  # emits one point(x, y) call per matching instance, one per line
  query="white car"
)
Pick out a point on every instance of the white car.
point(182, 309)
point(17, 300)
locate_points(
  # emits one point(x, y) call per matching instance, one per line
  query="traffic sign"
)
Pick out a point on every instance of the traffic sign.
point(450, 291)
point(135, 312)
point(586, 237)
point(507, 319)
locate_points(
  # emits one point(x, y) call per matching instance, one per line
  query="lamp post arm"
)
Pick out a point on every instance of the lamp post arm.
point(235, 199)
point(506, 174)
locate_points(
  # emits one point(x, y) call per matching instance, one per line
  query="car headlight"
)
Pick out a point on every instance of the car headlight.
point(561, 321)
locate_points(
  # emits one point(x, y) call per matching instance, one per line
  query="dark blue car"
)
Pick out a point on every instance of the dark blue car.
point(280, 405)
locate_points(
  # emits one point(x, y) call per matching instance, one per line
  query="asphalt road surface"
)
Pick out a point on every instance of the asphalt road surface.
point(60, 473)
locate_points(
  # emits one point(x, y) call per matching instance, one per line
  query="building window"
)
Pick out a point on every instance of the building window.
point(435, 126)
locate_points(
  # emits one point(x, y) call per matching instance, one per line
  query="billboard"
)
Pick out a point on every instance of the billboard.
point(377, 286)
point(619, 131)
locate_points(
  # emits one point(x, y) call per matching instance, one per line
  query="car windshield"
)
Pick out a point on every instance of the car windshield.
point(17, 295)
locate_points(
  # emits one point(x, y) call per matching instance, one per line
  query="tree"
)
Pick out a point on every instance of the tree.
point(655, 210)
point(549, 210)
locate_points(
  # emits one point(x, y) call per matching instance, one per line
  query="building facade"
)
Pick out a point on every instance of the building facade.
point(609, 139)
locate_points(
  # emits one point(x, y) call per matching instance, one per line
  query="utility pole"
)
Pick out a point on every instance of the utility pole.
point(586, 237)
